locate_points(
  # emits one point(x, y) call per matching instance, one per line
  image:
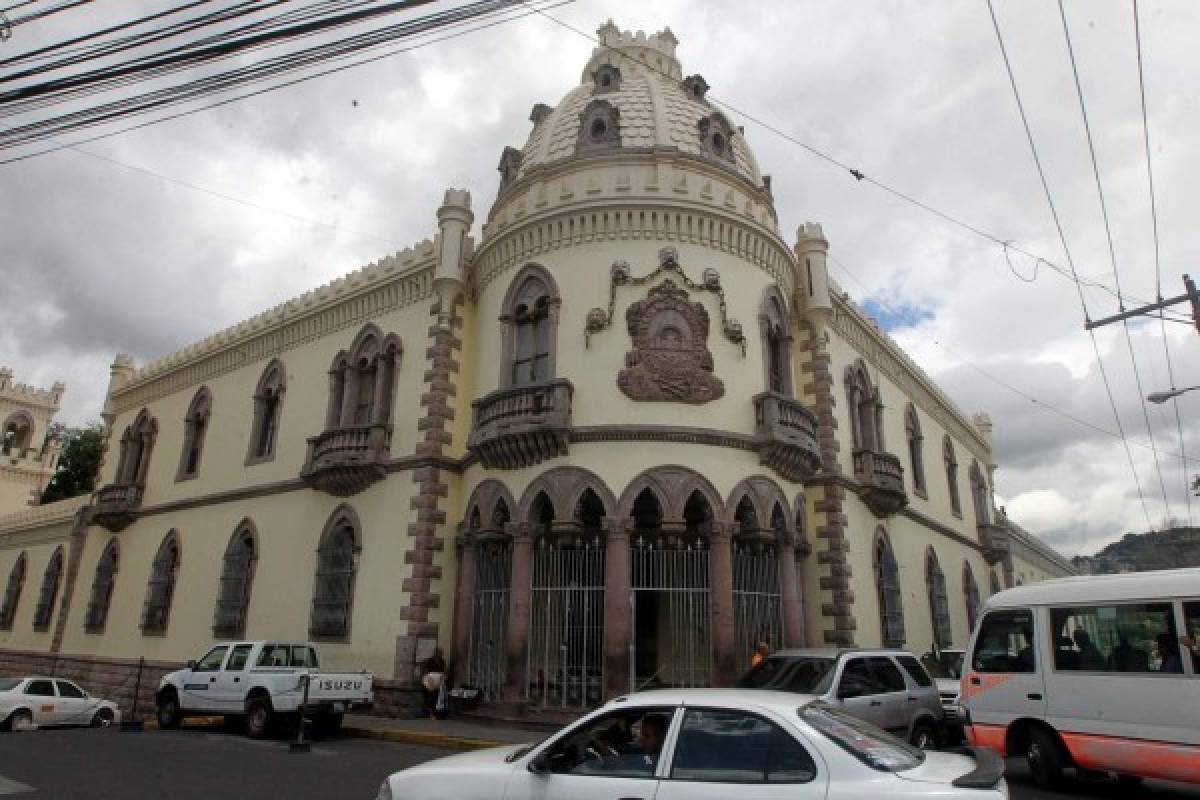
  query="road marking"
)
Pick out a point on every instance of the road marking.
point(12, 787)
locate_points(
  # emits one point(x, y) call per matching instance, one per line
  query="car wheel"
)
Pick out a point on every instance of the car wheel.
point(103, 718)
point(19, 720)
point(1045, 759)
point(258, 718)
point(168, 712)
point(924, 736)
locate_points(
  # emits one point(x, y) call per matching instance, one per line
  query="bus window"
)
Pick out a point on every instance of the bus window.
point(1115, 638)
point(1191, 627)
point(1005, 642)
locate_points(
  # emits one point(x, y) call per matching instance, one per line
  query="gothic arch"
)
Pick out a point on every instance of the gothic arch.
point(970, 595)
point(775, 329)
point(488, 498)
point(51, 581)
point(17, 432)
point(137, 445)
point(268, 411)
point(338, 555)
point(887, 589)
point(765, 495)
point(939, 600)
point(237, 581)
point(371, 362)
point(195, 432)
point(160, 588)
point(564, 487)
point(532, 298)
point(864, 407)
point(103, 582)
point(673, 485)
point(13, 591)
point(916, 454)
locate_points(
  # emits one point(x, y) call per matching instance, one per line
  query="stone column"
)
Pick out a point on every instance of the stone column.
point(464, 604)
point(379, 396)
point(721, 594)
point(349, 395)
point(618, 607)
point(791, 599)
point(518, 611)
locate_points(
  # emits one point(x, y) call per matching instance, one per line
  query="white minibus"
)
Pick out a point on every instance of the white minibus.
point(1097, 672)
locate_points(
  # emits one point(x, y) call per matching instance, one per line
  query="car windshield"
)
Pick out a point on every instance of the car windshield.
point(946, 666)
point(876, 749)
point(804, 674)
point(7, 684)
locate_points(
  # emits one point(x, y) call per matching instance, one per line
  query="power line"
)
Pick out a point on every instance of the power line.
point(48, 12)
point(1112, 253)
point(1070, 262)
point(1137, 37)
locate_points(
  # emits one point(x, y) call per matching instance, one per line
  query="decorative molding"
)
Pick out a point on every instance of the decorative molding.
point(673, 434)
point(40, 516)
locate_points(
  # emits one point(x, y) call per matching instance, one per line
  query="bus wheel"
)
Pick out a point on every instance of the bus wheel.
point(1045, 758)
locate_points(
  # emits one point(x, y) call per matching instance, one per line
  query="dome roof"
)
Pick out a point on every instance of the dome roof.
point(635, 82)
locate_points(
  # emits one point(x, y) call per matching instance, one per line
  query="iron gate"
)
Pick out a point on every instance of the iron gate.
point(671, 613)
point(489, 619)
point(566, 636)
point(757, 607)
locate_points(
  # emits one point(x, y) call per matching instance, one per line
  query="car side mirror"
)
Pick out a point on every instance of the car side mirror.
point(540, 764)
point(191, 665)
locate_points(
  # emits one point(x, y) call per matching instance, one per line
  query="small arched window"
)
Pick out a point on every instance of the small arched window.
point(12, 593)
point(137, 443)
point(195, 428)
point(775, 326)
point(363, 380)
point(337, 565)
point(237, 576)
point(980, 496)
point(530, 322)
point(102, 589)
point(49, 594)
point(970, 596)
point(916, 459)
point(161, 587)
point(865, 407)
point(887, 589)
point(17, 434)
point(939, 603)
point(951, 464)
point(268, 408)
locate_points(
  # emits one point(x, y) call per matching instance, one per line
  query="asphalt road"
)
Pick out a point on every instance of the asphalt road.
point(204, 764)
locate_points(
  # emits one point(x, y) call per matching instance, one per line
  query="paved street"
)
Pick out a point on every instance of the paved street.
point(203, 764)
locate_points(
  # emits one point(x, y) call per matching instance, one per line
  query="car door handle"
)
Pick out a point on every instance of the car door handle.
point(1034, 696)
point(876, 703)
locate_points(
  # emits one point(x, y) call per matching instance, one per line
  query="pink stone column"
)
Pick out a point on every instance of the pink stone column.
point(618, 607)
point(721, 594)
point(518, 611)
point(791, 600)
point(464, 605)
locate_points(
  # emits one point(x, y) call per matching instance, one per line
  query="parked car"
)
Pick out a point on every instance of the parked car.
point(946, 668)
point(261, 682)
point(41, 702)
point(887, 688)
point(708, 743)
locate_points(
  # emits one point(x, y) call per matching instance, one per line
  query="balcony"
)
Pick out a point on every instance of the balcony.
point(994, 539)
point(786, 436)
point(523, 425)
point(117, 505)
point(882, 480)
point(344, 461)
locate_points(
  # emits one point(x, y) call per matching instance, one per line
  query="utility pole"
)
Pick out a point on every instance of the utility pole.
point(1192, 297)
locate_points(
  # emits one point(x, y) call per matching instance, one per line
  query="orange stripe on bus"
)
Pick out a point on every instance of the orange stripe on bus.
point(1162, 760)
point(990, 736)
point(969, 688)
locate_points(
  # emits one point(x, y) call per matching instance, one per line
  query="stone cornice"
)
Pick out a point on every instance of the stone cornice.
point(1035, 551)
point(852, 323)
point(388, 284)
point(42, 516)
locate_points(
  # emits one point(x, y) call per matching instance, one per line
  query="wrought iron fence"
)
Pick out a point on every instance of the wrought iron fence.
point(671, 582)
point(757, 608)
point(489, 619)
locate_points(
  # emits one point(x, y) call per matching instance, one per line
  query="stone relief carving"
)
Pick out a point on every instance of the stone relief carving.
point(669, 361)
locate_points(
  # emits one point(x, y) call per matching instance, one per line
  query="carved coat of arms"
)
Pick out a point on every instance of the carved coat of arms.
point(670, 361)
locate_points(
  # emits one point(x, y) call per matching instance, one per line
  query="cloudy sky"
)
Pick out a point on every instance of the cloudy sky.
point(148, 240)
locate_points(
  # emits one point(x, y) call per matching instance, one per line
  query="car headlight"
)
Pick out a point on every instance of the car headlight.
point(385, 791)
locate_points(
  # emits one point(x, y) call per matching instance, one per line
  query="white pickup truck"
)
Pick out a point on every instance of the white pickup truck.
point(262, 682)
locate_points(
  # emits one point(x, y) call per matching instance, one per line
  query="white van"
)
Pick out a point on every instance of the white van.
point(1098, 672)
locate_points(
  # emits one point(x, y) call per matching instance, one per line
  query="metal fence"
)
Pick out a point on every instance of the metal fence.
point(489, 619)
point(670, 583)
point(758, 613)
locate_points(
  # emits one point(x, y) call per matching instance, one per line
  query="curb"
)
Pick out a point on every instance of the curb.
point(422, 738)
point(188, 722)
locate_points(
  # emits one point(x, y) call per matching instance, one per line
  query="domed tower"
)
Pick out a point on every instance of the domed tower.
point(635, 495)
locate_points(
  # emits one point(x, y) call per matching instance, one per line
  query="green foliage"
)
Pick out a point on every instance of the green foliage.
point(78, 463)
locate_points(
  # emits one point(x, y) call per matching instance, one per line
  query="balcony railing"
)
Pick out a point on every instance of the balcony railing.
point(117, 505)
point(882, 481)
point(344, 461)
point(523, 425)
point(994, 539)
point(786, 434)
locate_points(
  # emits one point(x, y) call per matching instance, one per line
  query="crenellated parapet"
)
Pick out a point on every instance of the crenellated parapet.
point(26, 395)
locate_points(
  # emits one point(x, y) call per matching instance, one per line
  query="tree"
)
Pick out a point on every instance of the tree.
point(78, 463)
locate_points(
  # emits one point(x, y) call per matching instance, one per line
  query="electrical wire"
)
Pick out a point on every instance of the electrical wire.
point(1162, 318)
point(1112, 253)
point(48, 12)
point(1070, 261)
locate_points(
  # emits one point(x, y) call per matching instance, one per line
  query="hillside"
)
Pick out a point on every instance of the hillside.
point(1137, 552)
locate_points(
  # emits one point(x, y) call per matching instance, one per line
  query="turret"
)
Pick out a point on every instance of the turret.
point(454, 224)
point(119, 374)
point(811, 251)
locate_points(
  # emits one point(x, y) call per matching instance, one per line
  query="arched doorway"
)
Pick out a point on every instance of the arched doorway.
point(758, 614)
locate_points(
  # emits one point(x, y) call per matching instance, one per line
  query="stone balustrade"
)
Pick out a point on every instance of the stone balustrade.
point(786, 435)
point(522, 425)
point(344, 461)
point(116, 505)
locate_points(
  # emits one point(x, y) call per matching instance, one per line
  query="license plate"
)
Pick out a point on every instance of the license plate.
point(339, 708)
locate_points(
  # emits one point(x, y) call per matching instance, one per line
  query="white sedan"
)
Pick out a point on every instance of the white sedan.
point(707, 744)
point(38, 702)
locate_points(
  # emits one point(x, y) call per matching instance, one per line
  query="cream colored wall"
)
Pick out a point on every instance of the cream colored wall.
point(16, 489)
point(41, 417)
point(289, 528)
point(37, 554)
point(304, 407)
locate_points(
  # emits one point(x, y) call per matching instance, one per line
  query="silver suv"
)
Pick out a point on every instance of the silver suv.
point(888, 688)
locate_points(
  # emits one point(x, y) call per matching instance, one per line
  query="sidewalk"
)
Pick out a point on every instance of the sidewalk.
point(453, 734)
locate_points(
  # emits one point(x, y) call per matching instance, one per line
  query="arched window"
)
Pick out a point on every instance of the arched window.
point(195, 426)
point(980, 497)
point(970, 596)
point(12, 593)
point(775, 327)
point(137, 443)
point(337, 564)
point(530, 321)
point(102, 589)
point(237, 575)
point(865, 407)
point(17, 434)
point(939, 603)
point(951, 464)
point(268, 406)
point(994, 583)
point(887, 589)
point(161, 588)
point(916, 459)
point(362, 381)
point(50, 582)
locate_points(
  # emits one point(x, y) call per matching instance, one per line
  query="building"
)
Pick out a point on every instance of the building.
point(28, 450)
point(620, 439)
